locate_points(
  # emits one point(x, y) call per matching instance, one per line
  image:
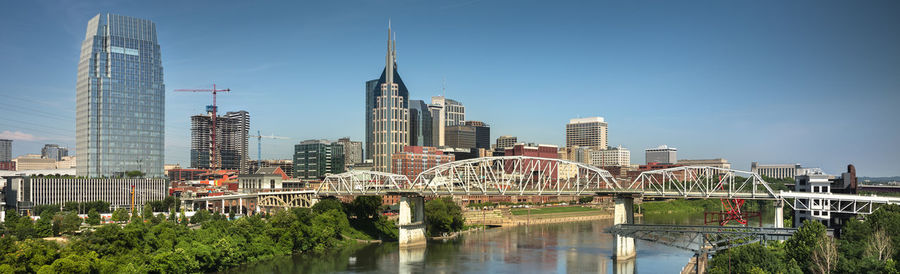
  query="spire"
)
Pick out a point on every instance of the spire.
point(389, 59)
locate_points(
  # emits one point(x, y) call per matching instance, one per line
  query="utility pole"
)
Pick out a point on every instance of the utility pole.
point(212, 136)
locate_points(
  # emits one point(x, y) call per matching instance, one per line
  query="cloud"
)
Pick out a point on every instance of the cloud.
point(20, 136)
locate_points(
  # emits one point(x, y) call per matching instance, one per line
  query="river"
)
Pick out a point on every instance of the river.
point(578, 247)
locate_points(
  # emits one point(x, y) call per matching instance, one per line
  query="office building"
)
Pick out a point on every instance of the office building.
point(5, 150)
point(314, 159)
point(391, 115)
point(416, 159)
point(34, 162)
point(231, 150)
point(505, 141)
point(587, 132)
point(611, 156)
point(120, 99)
point(533, 150)
point(662, 155)
point(24, 193)
point(379, 93)
point(353, 151)
point(482, 134)
point(452, 113)
point(460, 136)
point(777, 171)
point(53, 151)
point(815, 181)
point(421, 124)
point(576, 154)
point(718, 162)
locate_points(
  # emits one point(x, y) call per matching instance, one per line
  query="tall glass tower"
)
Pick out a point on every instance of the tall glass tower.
point(120, 99)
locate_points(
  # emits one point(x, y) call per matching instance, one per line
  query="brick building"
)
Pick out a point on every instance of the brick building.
point(416, 159)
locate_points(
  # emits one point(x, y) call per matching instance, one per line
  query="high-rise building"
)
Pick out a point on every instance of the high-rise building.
point(661, 155)
point(460, 136)
point(314, 159)
point(482, 134)
point(506, 141)
point(231, 149)
point(452, 113)
point(576, 154)
point(120, 99)
point(612, 156)
point(391, 114)
point(421, 123)
point(375, 90)
point(587, 132)
point(416, 159)
point(5, 150)
point(353, 151)
point(53, 151)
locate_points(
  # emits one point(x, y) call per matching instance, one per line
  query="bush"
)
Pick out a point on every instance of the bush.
point(443, 215)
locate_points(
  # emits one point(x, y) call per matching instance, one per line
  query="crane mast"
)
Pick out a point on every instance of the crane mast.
point(214, 163)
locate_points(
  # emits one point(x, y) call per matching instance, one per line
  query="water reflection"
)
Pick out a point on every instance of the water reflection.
point(581, 247)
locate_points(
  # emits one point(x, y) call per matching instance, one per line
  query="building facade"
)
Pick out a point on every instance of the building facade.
point(452, 113)
point(287, 166)
point(379, 94)
point(54, 151)
point(421, 124)
point(662, 154)
point(460, 136)
point(5, 150)
point(576, 154)
point(391, 115)
point(587, 132)
point(231, 150)
point(718, 162)
point(482, 134)
point(611, 156)
point(314, 159)
point(505, 141)
point(353, 151)
point(777, 171)
point(120, 99)
point(24, 193)
point(416, 159)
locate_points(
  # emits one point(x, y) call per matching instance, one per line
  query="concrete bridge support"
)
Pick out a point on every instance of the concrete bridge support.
point(624, 214)
point(779, 213)
point(412, 221)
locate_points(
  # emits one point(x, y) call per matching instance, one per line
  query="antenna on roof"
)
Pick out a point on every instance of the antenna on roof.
point(444, 87)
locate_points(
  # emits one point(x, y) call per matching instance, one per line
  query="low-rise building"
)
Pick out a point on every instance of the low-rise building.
point(662, 154)
point(24, 193)
point(506, 141)
point(413, 160)
point(267, 178)
point(777, 171)
point(718, 162)
point(611, 156)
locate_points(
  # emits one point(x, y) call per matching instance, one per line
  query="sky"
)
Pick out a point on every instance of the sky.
point(809, 82)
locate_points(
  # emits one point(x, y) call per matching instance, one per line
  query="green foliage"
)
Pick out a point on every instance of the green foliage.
point(44, 227)
point(200, 216)
point(65, 223)
point(120, 215)
point(39, 210)
point(365, 207)
point(134, 174)
point(801, 244)
point(752, 258)
point(326, 205)
point(443, 216)
point(585, 199)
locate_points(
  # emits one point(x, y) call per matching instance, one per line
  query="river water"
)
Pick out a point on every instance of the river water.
point(578, 247)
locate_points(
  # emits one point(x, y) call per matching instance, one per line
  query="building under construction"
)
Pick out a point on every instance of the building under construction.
point(231, 151)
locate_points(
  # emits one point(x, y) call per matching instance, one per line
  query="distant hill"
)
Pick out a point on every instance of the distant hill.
point(880, 179)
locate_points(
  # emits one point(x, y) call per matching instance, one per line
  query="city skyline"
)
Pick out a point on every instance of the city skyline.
point(828, 113)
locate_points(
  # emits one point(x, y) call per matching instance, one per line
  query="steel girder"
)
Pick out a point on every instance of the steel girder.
point(835, 203)
point(514, 175)
point(702, 182)
point(701, 239)
point(363, 182)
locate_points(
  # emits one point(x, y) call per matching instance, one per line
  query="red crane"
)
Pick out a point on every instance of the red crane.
point(212, 136)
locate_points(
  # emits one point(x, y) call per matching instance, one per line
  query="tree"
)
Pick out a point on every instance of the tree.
point(44, 227)
point(880, 245)
point(120, 215)
point(134, 174)
point(824, 255)
point(93, 217)
point(443, 216)
point(585, 199)
point(365, 207)
point(200, 216)
point(66, 222)
point(800, 245)
point(326, 205)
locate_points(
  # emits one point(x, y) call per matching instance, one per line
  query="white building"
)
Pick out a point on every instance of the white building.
point(718, 162)
point(587, 132)
point(778, 171)
point(815, 183)
point(612, 156)
point(662, 154)
point(451, 113)
point(27, 192)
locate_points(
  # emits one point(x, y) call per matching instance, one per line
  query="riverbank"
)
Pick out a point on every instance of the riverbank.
point(506, 217)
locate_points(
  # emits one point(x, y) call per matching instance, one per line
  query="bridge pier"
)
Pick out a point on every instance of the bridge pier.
point(411, 224)
point(624, 214)
point(779, 213)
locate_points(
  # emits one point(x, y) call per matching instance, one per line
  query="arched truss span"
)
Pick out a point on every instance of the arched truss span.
point(702, 182)
point(360, 182)
point(514, 175)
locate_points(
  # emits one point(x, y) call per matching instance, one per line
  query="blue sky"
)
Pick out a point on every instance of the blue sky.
point(809, 82)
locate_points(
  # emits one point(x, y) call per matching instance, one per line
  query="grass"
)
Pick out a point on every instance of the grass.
point(549, 210)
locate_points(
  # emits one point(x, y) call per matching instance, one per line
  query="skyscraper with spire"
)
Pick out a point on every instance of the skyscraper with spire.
point(387, 113)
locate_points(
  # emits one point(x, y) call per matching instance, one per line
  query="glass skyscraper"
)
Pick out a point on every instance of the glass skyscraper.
point(120, 99)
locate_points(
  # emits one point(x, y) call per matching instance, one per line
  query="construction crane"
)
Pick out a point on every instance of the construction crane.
point(213, 163)
point(259, 137)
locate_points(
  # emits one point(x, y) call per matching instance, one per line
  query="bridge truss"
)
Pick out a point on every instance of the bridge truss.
point(514, 175)
point(702, 182)
point(702, 239)
point(363, 182)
